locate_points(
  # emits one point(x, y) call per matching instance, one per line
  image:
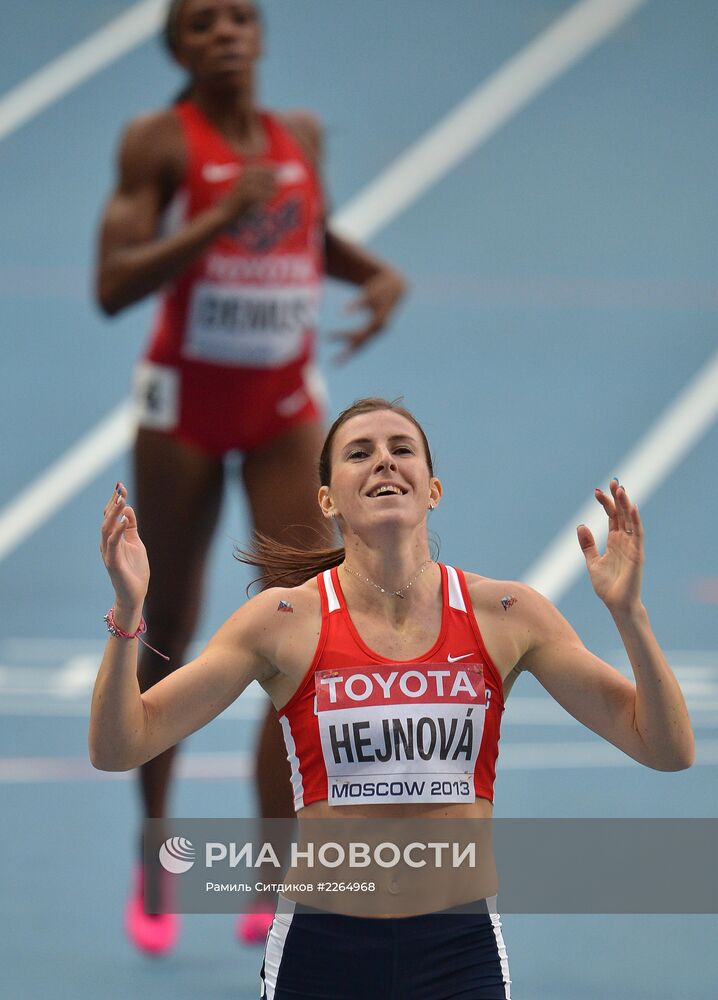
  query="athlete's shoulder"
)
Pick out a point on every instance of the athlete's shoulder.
point(154, 127)
point(501, 596)
point(152, 144)
point(511, 614)
point(304, 597)
point(307, 129)
point(277, 621)
point(278, 607)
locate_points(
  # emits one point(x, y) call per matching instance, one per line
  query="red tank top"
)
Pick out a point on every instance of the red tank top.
point(251, 300)
point(364, 729)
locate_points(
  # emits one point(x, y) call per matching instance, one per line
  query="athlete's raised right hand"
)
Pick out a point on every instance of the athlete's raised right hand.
point(255, 185)
point(125, 557)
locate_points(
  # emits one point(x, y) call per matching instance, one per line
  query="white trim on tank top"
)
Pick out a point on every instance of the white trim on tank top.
point(332, 599)
point(456, 598)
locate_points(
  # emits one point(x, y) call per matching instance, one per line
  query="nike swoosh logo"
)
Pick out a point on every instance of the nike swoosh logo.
point(453, 659)
point(290, 405)
point(215, 173)
point(291, 172)
point(287, 173)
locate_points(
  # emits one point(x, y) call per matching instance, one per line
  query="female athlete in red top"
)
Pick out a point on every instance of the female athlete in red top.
point(219, 206)
point(391, 605)
point(395, 716)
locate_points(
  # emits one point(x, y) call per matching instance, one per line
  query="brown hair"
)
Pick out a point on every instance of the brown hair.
point(171, 25)
point(284, 565)
point(169, 29)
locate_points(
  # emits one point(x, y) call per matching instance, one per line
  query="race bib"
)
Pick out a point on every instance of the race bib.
point(252, 326)
point(156, 393)
point(401, 733)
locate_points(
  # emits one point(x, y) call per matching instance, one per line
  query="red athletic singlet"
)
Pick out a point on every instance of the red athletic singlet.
point(229, 361)
point(363, 729)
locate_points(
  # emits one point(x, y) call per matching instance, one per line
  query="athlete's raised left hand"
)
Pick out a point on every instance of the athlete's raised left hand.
point(380, 296)
point(616, 575)
point(125, 559)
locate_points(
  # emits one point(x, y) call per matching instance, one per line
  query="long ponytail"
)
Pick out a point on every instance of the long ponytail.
point(284, 565)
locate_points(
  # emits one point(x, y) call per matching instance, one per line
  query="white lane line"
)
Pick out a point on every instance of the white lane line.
point(642, 470)
point(484, 111)
point(61, 700)
point(566, 756)
point(64, 690)
point(240, 766)
point(532, 713)
point(69, 70)
point(215, 766)
point(494, 102)
point(76, 678)
point(66, 477)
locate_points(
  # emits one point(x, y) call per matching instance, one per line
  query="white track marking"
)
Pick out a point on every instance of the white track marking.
point(43, 681)
point(193, 765)
point(566, 756)
point(67, 696)
point(66, 477)
point(240, 766)
point(483, 112)
point(642, 470)
point(77, 677)
point(493, 103)
point(68, 71)
point(522, 712)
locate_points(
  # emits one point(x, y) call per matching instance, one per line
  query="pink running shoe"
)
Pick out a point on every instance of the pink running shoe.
point(154, 934)
point(253, 927)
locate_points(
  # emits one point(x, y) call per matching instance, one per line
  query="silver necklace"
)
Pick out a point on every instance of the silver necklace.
point(394, 593)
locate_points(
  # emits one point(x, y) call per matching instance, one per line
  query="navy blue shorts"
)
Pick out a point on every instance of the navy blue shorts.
point(451, 955)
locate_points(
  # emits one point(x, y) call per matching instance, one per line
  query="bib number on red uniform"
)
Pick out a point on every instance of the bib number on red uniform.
point(399, 733)
point(254, 326)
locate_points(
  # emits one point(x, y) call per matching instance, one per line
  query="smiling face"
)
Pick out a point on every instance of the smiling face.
point(215, 40)
point(379, 474)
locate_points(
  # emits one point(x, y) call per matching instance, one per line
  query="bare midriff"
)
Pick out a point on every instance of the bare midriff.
point(402, 889)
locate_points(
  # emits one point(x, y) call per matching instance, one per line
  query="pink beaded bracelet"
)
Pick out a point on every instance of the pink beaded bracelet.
point(118, 633)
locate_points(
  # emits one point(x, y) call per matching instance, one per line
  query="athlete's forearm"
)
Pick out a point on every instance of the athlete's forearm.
point(347, 261)
point(117, 716)
point(128, 274)
point(661, 717)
